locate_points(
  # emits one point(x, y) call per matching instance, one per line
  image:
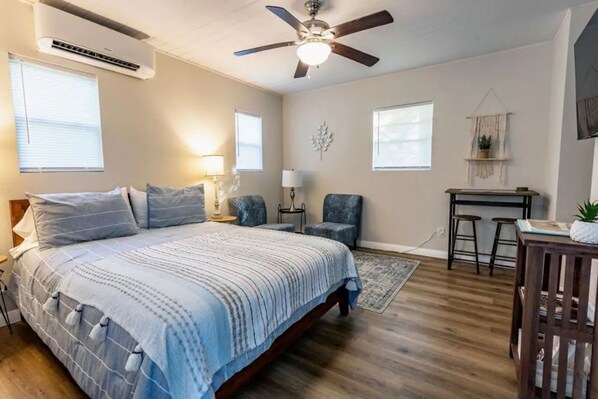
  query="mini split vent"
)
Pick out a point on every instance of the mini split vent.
point(68, 36)
point(95, 55)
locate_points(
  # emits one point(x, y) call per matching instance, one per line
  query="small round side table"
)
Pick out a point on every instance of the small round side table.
point(3, 289)
point(224, 219)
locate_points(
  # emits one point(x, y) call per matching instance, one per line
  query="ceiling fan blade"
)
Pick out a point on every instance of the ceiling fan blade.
point(363, 23)
point(301, 70)
point(264, 48)
point(288, 18)
point(354, 54)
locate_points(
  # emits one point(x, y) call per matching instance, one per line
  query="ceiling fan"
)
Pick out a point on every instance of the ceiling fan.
point(317, 39)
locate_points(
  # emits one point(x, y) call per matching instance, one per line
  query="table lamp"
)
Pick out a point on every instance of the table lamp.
point(292, 179)
point(214, 165)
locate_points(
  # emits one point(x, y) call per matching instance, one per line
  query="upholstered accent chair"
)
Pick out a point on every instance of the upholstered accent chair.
point(341, 220)
point(250, 211)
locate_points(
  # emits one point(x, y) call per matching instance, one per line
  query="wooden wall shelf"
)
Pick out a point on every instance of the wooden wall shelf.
point(486, 159)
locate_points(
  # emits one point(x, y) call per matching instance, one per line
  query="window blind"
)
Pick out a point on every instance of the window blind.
point(57, 119)
point(403, 137)
point(249, 141)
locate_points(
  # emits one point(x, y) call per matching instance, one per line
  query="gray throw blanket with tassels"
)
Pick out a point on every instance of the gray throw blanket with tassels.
point(195, 304)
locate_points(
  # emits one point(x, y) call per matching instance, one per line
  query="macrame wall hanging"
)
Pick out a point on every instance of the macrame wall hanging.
point(494, 126)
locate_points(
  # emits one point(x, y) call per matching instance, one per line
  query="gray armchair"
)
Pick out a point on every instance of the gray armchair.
point(341, 220)
point(250, 211)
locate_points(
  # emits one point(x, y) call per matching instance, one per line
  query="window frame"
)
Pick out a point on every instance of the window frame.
point(376, 142)
point(237, 148)
point(54, 67)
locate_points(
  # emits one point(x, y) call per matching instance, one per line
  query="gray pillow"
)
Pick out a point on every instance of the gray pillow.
point(63, 219)
point(173, 207)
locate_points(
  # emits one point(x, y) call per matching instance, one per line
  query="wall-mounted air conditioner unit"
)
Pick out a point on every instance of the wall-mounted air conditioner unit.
point(65, 35)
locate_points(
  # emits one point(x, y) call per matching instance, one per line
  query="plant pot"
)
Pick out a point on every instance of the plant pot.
point(585, 232)
point(483, 153)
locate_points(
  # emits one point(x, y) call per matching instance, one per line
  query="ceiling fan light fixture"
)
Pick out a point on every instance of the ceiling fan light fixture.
point(314, 52)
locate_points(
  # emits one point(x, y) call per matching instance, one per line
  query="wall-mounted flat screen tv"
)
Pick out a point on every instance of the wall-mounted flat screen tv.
point(586, 80)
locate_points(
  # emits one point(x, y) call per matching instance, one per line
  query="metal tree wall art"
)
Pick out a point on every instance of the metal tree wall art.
point(321, 140)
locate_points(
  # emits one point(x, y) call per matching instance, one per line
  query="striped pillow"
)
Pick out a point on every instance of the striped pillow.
point(173, 207)
point(63, 219)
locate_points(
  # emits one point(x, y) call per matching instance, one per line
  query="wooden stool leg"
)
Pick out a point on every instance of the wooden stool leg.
point(475, 246)
point(494, 248)
point(452, 254)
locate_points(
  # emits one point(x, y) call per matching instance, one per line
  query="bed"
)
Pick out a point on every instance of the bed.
point(154, 314)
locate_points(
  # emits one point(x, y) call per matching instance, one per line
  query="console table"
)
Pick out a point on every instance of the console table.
point(503, 199)
point(551, 298)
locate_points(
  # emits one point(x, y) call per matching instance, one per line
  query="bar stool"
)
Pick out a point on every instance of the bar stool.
point(499, 241)
point(466, 237)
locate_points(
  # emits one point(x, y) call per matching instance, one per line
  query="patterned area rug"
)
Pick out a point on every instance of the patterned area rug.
point(383, 277)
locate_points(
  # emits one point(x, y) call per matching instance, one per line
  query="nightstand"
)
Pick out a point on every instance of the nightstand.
point(3, 289)
point(224, 219)
point(299, 211)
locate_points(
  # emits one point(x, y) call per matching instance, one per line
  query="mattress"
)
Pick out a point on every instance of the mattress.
point(99, 368)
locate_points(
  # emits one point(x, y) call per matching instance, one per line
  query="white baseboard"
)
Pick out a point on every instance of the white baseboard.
point(432, 253)
point(13, 315)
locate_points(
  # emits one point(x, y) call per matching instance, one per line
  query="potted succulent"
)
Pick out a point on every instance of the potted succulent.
point(585, 228)
point(484, 144)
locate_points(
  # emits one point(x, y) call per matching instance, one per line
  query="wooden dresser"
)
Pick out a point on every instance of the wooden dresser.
point(550, 307)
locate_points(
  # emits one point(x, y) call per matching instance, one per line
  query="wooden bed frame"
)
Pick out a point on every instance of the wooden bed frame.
point(290, 336)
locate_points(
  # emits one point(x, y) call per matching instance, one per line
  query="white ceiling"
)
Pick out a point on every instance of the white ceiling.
point(207, 32)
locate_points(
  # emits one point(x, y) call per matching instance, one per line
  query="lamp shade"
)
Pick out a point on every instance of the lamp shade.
point(292, 178)
point(214, 165)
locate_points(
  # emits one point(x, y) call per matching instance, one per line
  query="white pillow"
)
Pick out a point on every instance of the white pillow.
point(125, 194)
point(26, 230)
point(26, 226)
point(139, 204)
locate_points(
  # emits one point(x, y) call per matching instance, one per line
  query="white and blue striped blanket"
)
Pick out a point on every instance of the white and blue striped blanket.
point(198, 302)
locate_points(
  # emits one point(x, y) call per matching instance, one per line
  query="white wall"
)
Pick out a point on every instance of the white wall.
point(594, 197)
point(153, 131)
point(405, 207)
point(560, 52)
point(580, 17)
point(571, 164)
point(575, 176)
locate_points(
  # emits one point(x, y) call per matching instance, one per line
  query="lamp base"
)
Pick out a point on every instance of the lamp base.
point(216, 214)
point(292, 207)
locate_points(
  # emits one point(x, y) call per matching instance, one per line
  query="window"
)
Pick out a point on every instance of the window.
point(403, 137)
point(249, 141)
point(57, 117)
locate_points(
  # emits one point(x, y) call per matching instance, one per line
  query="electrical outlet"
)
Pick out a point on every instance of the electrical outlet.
point(440, 232)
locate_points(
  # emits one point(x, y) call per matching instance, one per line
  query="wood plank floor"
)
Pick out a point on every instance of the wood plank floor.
point(444, 336)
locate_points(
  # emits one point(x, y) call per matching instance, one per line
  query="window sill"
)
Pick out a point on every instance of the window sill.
point(60, 170)
point(401, 169)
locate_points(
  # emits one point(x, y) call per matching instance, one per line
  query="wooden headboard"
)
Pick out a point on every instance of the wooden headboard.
point(17, 211)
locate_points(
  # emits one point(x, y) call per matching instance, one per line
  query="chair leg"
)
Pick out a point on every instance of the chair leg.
point(494, 248)
point(455, 231)
point(475, 246)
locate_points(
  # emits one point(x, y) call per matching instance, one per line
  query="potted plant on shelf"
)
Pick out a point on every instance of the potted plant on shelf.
point(585, 228)
point(484, 144)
